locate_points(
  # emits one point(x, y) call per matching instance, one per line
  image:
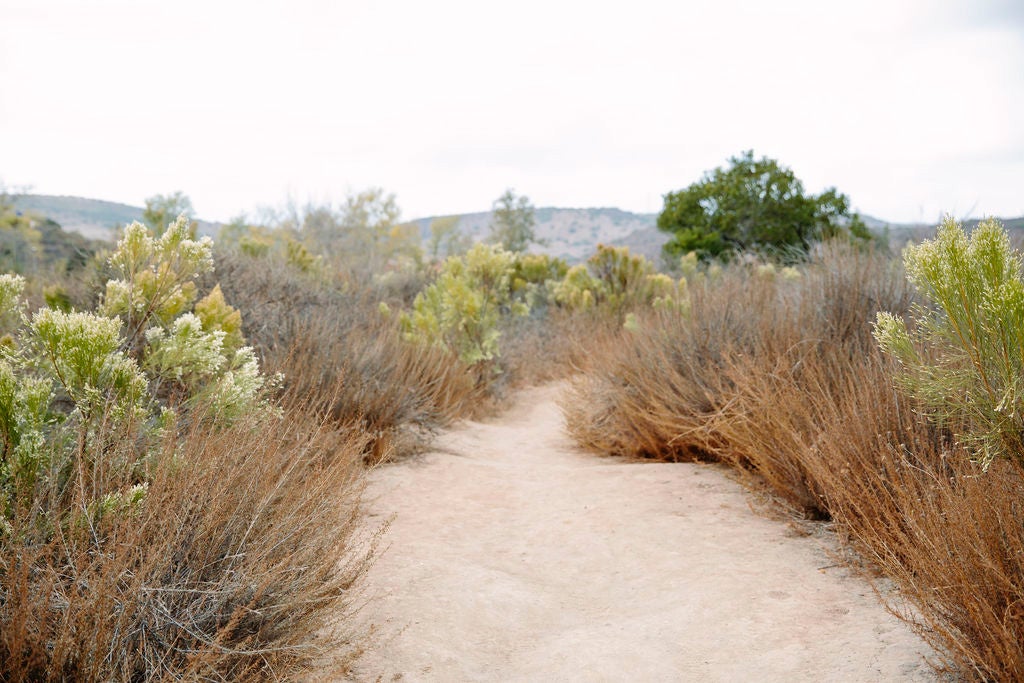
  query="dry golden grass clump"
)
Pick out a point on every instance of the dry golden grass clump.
point(335, 346)
point(548, 345)
point(235, 566)
point(783, 381)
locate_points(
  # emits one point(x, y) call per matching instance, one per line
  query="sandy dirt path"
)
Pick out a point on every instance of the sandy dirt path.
point(513, 556)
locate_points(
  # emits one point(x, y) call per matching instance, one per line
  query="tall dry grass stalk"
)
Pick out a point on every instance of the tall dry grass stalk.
point(784, 382)
point(236, 565)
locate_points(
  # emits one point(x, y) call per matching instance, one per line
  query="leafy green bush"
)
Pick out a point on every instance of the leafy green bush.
point(462, 308)
point(617, 281)
point(963, 358)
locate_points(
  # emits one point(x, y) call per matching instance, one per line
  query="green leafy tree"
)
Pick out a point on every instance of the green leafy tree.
point(162, 210)
point(513, 222)
point(963, 357)
point(754, 205)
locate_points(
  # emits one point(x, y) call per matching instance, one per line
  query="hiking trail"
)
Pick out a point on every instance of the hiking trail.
point(514, 556)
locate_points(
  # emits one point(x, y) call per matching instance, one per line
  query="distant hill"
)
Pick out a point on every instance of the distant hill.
point(572, 234)
point(93, 218)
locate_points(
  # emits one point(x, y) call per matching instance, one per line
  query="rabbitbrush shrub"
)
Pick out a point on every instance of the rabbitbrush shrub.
point(461, 310)
point(614, 282)
point(963, 357)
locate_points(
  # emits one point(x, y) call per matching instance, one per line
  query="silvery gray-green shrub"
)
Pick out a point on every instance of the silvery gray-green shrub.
point(963, 355)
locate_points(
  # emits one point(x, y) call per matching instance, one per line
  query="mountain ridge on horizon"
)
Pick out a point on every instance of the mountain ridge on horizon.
point(571, 233)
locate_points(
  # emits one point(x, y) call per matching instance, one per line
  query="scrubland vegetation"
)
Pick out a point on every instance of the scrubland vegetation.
point(909, 448)
point(185, 425)
point(185, 428)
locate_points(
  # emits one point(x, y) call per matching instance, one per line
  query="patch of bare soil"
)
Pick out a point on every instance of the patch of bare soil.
point(513, 556)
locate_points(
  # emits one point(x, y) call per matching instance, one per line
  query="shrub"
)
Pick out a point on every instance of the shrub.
point(783, 380)
point(461, 310)
point(534, 275)
point(234, 565)
point(338, 351)
point(964, 358)
point(616, 282)
point(69, 378)
point(157, 518)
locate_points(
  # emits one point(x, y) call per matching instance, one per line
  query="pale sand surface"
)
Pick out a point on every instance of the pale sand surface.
point(513, 556)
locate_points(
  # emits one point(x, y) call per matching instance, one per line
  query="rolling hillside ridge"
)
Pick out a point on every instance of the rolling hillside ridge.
point(569, 233)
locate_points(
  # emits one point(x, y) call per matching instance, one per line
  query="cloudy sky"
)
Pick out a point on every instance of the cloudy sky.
point(911, 107)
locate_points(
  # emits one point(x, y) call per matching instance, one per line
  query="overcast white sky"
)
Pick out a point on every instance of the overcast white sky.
point(911, 107)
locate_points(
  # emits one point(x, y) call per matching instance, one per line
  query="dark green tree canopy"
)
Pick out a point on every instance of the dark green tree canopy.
point(753, 205)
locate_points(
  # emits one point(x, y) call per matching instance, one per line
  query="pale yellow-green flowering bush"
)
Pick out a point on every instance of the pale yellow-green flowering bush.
point(191, 357)
point(664, 293)
point(217, 314)
point(157, 276)
point(186, 353)
point(695, 271)
point(11, 287)
point(24, 419)
point(535, 275)
point(963, 354)
point(82, 352)
point(578, 290)
point(144, 360)
point(618, 282)
point(769, 271)
point(238, 388)
point(461, 309)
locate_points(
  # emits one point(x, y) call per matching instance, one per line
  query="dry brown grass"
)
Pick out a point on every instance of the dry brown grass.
point(548, 345)
point(399, 392)
point(236, 566)
point(784, 382)
point(336, 346)
point(650, 392)
point(949, 534)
